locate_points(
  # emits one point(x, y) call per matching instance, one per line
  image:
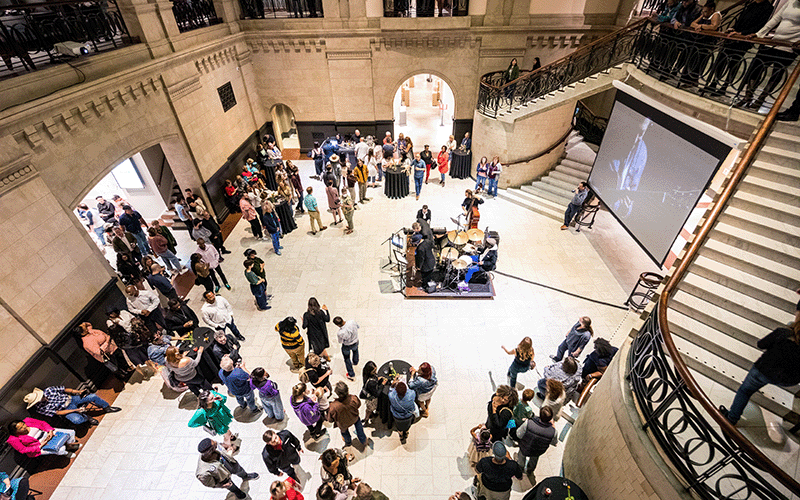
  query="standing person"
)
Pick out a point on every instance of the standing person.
point(348, 207)
point(372, 388)
point(427, 156)
point(212, 258)
point(124, 242)
point(291, 341)
point(161, 283)
point(337, 481)
point(313, 210)
point(91, 219)
point(133, 221)
point(273, 226)
point(145, 303)
point(565, 372)
point(281, 453)
point(362, 176)
point(402, 408)
point(401, 147)
point(106, 209)
point(297, 184)
point(258, 265)
point(496, 474)
point(237, 380)
point(500, 411)
point(535, 437)
point(598, 360)
point(225, 344)
point(580, 194)
point(314, 320)
point(254, 197)
point(523, 360)
point(209, 223)
point(442, 163)
point(778, 365)
point(103, 348)
point(318, 155)
point(480, 445)
point(318, 373)
point(348, 337)
point(215, 468)
point(213, 413)
point(555, 397)
point(372, 168)
point(218, 314)
point(307, 410)
point(424, 213)
point(481, 170)
point(377, 152)
point(511, 74)
point(184, 369)
point(202, 272)
point(424, 383)
point(286, 490)
point(258, 285)
point(424, 261)
point(164, 231)
point(334, 203)
point(268, 393)
point(466, 143)
point(361, 149)
point(419, 173)
point(344, 412)
point(576, 339)
point(250, 214)
point(182, 210)
point(201, 231)
point(493, 176)
point(451, 144)
point(352, 182)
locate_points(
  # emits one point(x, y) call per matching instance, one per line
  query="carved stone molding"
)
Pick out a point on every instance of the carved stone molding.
point(211, 62)
point(16, 173)
point(183, 88)
point(348, 54)
point(284, 45)
point(559, 40)
point(503, 53)
point(430, 42)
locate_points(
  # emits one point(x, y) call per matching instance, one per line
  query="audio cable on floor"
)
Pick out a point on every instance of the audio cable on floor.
point(603, 303)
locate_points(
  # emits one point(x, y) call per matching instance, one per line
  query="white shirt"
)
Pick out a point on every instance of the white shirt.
point(786, 23)
point(218, 314)
point(210, 255)
point(348, 333)
point(361, 151)
point(147, 300)
point(452, 145)
point(124, 319)
point(255, 199)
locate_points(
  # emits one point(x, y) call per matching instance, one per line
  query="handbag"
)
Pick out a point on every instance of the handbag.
point(110, 363)
point(58, 440)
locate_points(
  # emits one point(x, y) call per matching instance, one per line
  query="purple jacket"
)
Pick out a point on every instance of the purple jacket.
point(307, 411)
point(268, 390)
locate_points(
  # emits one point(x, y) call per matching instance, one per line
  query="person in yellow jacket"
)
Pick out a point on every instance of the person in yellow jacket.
point(362, 176)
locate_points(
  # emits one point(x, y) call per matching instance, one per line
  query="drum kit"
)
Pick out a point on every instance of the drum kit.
point(456, 253)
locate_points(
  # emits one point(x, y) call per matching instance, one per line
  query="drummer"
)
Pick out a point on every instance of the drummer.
point(487, 263)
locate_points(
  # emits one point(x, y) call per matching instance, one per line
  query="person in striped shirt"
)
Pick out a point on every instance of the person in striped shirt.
point(292, 341)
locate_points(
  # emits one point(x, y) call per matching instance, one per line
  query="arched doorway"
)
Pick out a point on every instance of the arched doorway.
point(424, 107)
point(284, 127)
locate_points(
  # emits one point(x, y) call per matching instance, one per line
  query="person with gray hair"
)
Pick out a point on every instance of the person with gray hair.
point(237, 380)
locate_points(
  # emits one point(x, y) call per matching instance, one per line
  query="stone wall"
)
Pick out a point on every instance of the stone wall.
point(608, 454)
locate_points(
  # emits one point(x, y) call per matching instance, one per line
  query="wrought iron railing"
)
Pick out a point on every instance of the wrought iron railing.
point(264, 9)
point(194, 14)
point(723, 68)
point(718, 467)
point(730, 14)
point(425, 8)
point(590, 126)
point(29, 31)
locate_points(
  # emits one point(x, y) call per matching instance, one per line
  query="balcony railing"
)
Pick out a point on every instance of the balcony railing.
point(28, 32)
point(266, 9)
point(425, 8)
point(194, 14)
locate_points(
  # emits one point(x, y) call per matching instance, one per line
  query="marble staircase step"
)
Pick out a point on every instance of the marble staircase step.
point(766, 192)
point(792, 211)
point(784, 140)
point(747, 266)
point(560, 186)
point(531, 202)
point(755, 244)
point(779, 156)
point(578, 174)
point(576, 165)
point(712, 340)
point(686, 307)
point(755, 254)
point(751, 223)
point(787, 176)
point(569, 179)
point(761, 215)
point(544, 190)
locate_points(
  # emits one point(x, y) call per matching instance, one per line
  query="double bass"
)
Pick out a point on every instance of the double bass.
point(473, 217)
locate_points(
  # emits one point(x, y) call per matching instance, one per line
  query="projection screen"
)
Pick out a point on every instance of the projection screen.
point(652, 168)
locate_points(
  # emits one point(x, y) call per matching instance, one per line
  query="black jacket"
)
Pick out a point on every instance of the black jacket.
point(288, 455)
point(106, 210)
point(426, 156)
point(424, 259)
point(753, 17)
point(780, 363)
point(211, 225)
point(231, 348)
point(424, 216)
point(490, 260)
point(176, 319)
point(536, 437)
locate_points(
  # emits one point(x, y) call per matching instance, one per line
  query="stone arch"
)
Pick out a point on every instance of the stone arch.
point(449, 81)
point(277, 125)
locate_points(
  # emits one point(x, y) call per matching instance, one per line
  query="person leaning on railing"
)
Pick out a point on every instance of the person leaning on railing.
point(779, 365)
point(786, 23)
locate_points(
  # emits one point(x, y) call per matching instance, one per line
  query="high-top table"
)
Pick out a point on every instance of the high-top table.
point(460, 162)
point(286, 216)
point(396, 184)
point(269, 169)
point(558, 490)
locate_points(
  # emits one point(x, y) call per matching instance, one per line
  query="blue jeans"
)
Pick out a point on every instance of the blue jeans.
point(418, 184)
point(100, 232)
point(492, 187)
point(346, 350)
point(754, 381)
point(260, 295)
point(77, 401)
point(272, 406)
point(233, 328)
point(141, 241)
point(380, 172)
point(562, 348)
point(170, 260)
point(276, 241)
point(513, 371)
point(472, 268)
point(480, 181)
point(248, 400)
point(359, 433)
point(572, 211)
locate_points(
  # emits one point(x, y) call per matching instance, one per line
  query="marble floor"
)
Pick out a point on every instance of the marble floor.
point(148, 452)
point(425, 125)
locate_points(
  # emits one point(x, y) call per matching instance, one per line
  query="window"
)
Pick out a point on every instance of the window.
point(226, 96)
point(127, 176)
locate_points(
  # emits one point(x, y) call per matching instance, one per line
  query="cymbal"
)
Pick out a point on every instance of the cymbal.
point(475, 235)
point(449, 253)
point(462, 263)
point(457, 237)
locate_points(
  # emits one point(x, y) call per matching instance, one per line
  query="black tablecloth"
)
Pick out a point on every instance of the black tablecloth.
point(208, 368)
point(286, 216)
point(557, 488)
point(269, 168)
point(400, 367)
point(348, 154)
point(396, 185)
point(460, 163)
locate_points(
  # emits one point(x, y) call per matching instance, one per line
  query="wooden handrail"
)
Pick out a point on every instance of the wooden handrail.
point(711, 218)
point(542, 153)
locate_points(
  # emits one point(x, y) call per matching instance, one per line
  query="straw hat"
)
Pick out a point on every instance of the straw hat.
point(34, 397)
point(334, 158)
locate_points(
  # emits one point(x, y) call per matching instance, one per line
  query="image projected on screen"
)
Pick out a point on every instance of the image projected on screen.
point(651, 177)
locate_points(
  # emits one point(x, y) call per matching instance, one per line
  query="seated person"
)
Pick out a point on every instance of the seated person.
point(598, 360)
point(68, 403)
point(157, 352)
point(565, 372)
point(30, 437)
point(16, 489)
point(180, 318)
point(487, 263)
point(225, 344)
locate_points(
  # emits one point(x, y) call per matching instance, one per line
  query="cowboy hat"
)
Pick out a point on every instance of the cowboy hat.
point(334, 157)
point(34, 397)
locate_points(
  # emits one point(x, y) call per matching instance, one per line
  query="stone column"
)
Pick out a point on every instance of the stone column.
point(144, 22)
point(229, 12)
